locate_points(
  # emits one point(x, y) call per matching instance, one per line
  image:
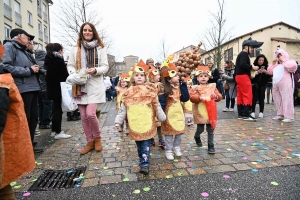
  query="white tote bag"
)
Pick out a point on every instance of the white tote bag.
point(67, 103)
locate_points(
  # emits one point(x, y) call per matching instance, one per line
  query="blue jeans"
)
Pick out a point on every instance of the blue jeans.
point(143, 148)
point(45, 108)
point(228, 100)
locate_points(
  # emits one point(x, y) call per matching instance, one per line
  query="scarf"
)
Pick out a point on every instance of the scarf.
point(86, 57)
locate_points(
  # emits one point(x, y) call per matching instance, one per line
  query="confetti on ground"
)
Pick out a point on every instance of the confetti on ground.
point(196, 156)
point(190, 142)
point(34, 180)
point(204, 194)
point(26, 194)
point(13, 183)
point(226, 176)
point(180, 174)
point(254, 163)
point(254, 170)
point(126, 179)
point(175, 160)
point(146, 189)
point(259, 161)
point(245, 158)
point(274, 183)
point(136, 192)
point(105, 167)
point(17, 186)
point(169, 176)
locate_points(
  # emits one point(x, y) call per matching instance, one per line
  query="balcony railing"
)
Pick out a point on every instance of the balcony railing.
point(39, 10)
point(46, 38)
point(7, 11)
point(45, 17)
point(18, 18)
point(41, 35)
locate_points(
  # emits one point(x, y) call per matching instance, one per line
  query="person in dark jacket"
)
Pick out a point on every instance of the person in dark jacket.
point(242, 78)
point(56, 72)
point(25, 72)
point(215, 73)
point(45, 104)
point(259, 84)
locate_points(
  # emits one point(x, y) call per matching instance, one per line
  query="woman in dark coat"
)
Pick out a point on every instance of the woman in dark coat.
point(259, 84)
point(56, 72)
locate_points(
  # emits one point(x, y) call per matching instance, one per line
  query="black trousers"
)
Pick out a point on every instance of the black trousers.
point(57, 116)
point(30, 100)
point(258, 93)
point(45, 109)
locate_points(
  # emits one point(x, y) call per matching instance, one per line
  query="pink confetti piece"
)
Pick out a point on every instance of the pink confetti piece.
point(245, 158)
point(111, 164)
point(217, 150)
point(226, 176)
point(196, 156)
point(26, 194)
point(204, 194)
point(105, 182)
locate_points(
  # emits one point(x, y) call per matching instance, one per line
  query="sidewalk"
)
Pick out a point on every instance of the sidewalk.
point(239, 146)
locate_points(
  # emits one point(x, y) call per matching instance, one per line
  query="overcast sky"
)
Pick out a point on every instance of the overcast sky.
point(137, 27)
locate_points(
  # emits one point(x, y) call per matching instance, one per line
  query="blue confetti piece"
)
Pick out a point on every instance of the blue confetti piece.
point(77, 186)
point(295, 152)
point(262, 153)
point(266, 148)
point(254, 170)
point(259, 161)
point(193, 167)
point(190, 142)
point(70, 171)
point(78, 180)
point(157, 155)
point(260, 144)
point(247, 142)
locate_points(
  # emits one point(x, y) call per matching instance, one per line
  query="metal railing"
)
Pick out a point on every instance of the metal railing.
point(40, 35)
point(18, 18)
point(7, 11)
point(45, 17)
point(46, 38)
point(39, 10)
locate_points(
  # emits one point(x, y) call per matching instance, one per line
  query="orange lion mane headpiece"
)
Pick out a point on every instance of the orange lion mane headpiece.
point(153, 72)
point(170, 71)
point(140, 67)
point(203, 69)
point(188, 79)
point(125, 77)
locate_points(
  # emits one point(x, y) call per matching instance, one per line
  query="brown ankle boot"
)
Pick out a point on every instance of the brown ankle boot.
point(88, 147)
point(98, 144)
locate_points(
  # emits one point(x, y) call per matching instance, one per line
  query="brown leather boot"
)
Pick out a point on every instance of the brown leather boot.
point(88, 147)
point(98, 144)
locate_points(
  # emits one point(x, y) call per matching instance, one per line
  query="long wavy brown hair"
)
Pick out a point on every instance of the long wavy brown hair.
point(95, 34)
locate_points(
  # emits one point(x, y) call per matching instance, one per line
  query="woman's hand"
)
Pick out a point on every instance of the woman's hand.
point(90, 71)
point(274, 62)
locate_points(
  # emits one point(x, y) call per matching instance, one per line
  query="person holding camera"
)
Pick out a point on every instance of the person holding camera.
point(56, 72)
point(259, 85)
point(23, 68)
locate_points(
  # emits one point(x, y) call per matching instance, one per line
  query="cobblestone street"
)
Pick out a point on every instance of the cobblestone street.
point(239, 146)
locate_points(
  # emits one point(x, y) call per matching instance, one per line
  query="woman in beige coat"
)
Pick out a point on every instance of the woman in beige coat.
point(89, 59)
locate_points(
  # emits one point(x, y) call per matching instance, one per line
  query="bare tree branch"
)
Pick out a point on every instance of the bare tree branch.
point(164, 50)
point(215, 36)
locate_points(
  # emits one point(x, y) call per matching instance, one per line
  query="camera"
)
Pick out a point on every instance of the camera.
point(42, 72)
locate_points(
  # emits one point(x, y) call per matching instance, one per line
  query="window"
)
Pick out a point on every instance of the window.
point(29, 15)
point(7, 2)
point(39, 9)
point(40, 30)
point(7, 9)
point(46, 34)
point(228, 54)
point(17, 7)
point(44, 8)
point(39, 3)
point(7, 30)
point(45, 16)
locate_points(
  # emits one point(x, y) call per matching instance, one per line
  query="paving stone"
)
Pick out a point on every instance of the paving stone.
point(113, 164)
point(196, 171)
point(90, 182)
point(212, 162)
point(219, 168)
point(284, 162)
point(180, 172)
point(110, 179)
point(90, 174)
point(127, 163)
point(166, 166)
point(131, 177)
point(162, 173)
point(241, 166)
point(233, 154)
point(121, 170)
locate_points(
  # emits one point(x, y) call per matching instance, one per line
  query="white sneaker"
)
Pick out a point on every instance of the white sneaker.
point(225, 110)
point(177, 151)
point(249, 119)
point(252, 114)
point(287, 120)
point(278, 117)
point(52, 134)
point(62, 135)
point(230, 110)
point(169, 155)
point(261, 115)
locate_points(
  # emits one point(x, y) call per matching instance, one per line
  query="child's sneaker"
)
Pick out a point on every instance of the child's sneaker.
point(260, 115)
point(211, 149)
point(278, 117)
point(169, 155)
point(225, 110)
point(177, 151)
point(189, 122)
point(161, 143)
point(144, 170)
point(152, 142)
point(287, 120)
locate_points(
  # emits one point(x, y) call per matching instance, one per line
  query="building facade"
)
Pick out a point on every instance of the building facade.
point(120, 67)
point(130, 61)
point(111, 65)
point(279, 34)
point(29, 15)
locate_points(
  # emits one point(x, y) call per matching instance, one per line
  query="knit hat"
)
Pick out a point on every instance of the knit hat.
point(202, 69)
